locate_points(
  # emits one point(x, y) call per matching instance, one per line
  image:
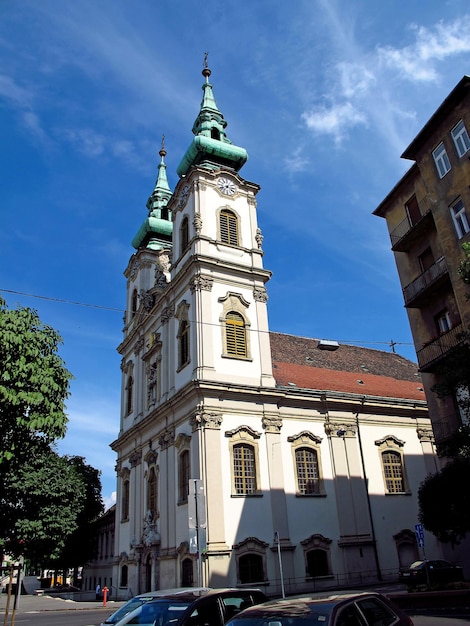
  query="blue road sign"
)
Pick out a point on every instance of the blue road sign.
point(419, 532)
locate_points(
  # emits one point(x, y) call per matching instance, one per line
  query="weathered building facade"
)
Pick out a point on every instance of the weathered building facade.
point(246, 456)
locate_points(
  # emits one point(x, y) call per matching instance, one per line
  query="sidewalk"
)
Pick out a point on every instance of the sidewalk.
point(30, 603)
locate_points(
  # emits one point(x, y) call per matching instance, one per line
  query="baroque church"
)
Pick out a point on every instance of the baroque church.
point(246, 456)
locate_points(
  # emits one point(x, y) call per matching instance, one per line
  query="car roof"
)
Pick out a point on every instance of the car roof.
point(306, 601)
point(190, 594)
point(173, 591)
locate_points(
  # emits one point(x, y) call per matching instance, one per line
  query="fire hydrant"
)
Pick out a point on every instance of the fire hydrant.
point(105, 593)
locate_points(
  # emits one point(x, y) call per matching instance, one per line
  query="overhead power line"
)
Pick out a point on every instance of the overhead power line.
point(390, 343)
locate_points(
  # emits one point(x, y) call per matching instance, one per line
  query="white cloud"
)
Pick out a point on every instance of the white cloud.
point(416, 62)
point(334, 121)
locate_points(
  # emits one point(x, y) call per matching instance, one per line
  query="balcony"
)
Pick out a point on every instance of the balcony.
point(422, 287)
point(406, 233)
point(439, 347)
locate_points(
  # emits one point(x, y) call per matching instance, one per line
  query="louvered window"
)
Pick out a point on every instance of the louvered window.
point(393, 471)
point(228, 227)
point(235, 334)
point(244, 469)
point(308, 478)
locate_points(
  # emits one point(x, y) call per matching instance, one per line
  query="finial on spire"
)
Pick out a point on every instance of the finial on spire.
point(206, 71)
point(162, 151)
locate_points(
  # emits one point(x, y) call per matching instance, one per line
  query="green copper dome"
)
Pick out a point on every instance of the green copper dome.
point(156, 230)
point(211, 147)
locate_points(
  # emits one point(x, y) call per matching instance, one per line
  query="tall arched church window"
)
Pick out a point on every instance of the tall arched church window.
point(129, 395)
point(184, 235)
point(183, 477)
point(228, 224)
point(152, 492)
point(134, 303)
point(393, 466)
point(183, 343)
point(235, 332)
point(308, 475)
point(125, 497)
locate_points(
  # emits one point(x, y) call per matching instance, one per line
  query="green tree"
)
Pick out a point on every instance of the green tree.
point(34, 383)
point(444, 501)
point(41, 499)
point(80, 545)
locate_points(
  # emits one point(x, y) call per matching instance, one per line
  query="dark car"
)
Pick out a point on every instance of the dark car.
point(214, 608)
point(432, 573)
point(349, 609)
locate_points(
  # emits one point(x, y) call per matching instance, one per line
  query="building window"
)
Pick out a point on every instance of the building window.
point(129, 395)
point(228, 224)
point(426, 259)
point(183, 344)
point(461, 139)
point(152, 493)
point(183, 477)
point(235, 335)
point(244, 469)
point(317, 563)
point(393, 471)
point(443, 323)
point(393, 467)
point(184, 235)
point(308, 476)
point(125, 500)
point(250, 567)
point(459, 217)
point(441, 160)
point(134, 303)
point(187, 573)
point(123, 581)
point(413, 211)
point(244, 459)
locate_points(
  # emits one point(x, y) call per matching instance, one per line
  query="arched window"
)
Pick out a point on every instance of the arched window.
point(134, 303)
point(228, 224)
point(123, 581)
point(125, 500)
point(152, 492)
point(215, 133)
point(183, 477)
point(250, 568)
point(244, 469)
point(317, 563)
point(308, 476)
point(183, 344)
point(393, 471)
point(129, 395)
point(187, 573)
point(184, 235)
point(235, 335)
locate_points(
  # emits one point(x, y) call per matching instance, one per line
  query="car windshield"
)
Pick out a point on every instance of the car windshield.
point(161, 613)
point(416, 564)
point(131, 605)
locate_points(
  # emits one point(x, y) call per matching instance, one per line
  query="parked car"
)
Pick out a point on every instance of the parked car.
point(439, 572)
point(214, 607)
point(348, 609)
point(142, 598)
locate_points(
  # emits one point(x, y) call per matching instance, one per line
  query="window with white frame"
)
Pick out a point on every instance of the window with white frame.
point(443, 322)
point(441, 160)
point(461, 139)
point(460, 219)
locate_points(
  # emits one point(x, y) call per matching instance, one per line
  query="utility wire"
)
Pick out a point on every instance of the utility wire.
point(391, 343)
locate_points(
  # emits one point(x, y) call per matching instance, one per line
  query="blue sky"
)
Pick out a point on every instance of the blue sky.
point(324, 95)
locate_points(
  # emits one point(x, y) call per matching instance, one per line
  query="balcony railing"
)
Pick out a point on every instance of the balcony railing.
point(405, 233)
point(425, 280)
point(439, 347)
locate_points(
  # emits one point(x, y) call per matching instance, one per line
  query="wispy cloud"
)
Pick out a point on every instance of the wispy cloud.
point(334, 120)
point(417, 61)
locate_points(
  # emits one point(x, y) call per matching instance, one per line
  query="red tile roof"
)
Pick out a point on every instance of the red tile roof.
point(298, 362)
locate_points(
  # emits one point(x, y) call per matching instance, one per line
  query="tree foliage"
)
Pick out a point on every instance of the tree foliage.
point(444, 501)
point(46, 500)
point(34, 382)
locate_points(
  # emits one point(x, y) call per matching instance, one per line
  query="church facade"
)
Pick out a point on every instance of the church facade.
point(246, 456)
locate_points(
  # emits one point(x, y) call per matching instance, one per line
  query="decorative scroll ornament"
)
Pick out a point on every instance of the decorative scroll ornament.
point(167, 313)
point(199, 283)
point(272, 424)
point(260, 294)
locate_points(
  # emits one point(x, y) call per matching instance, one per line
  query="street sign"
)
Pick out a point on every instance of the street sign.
point(419, 532)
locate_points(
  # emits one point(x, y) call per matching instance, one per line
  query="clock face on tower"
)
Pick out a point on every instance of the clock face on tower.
point(226, 186)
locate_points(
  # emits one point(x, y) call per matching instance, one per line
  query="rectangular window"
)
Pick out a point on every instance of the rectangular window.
point(459, 217)
point(393, 471)
point(461, 139)
point(443, 322)
point(441, 160)
point(244, 469)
